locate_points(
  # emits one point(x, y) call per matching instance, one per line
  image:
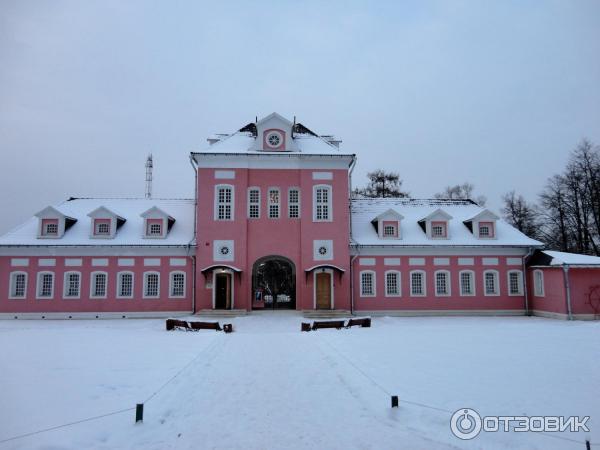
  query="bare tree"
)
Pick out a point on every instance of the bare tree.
point(521, 214)
point(382, 184)
point(462, 192)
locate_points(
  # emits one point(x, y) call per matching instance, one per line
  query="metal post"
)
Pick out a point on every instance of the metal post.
point(394, 401)
point(139, 412)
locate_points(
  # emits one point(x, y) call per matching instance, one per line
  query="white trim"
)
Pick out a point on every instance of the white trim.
point(38, 287)
point(520, 281)
point(473, 284)
point(322, 175)
point(441, 261)
point(73, 262)
point(324, 265)
point(118, 293)
point(391, 261)
point(178, 262)
point(253, 188)
point(216, 202)
point(93, 284)
point(95, 315)
point(448, 283)
point(514, 261)
point(145, 286)
point(441, 312)
point(332, 287)
point(388, 248)
point(224, 174)
point(398, 282)
point(373, 281)
point(104, 249)
point(416, 261)
point(100, 262)
point(466, 261)
point(496, 283)
point(298, 203)
point(126, 262)
point(19, 262)
point(11, 286)
point(489, 261)
point(538, 292)
point(174, 272)
point(214, 287)
point(47, 262)
point(423, 283)
point(151, 262)
point(278, 160)
point(66, 285)
point(366, 261)
point(278, 203)
point(329, 202)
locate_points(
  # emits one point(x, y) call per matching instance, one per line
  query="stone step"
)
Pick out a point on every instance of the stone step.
point(221, 312)
point(326, 313)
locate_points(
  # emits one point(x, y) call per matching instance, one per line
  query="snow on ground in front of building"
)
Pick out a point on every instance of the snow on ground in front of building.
point(269, 386)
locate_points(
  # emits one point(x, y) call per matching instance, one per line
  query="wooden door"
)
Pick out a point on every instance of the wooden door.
point(323, 290)
point(223, 291)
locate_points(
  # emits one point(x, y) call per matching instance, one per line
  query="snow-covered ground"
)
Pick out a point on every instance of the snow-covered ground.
point(269, 386)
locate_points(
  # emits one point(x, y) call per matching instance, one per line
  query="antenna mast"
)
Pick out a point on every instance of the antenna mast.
point(149, 166)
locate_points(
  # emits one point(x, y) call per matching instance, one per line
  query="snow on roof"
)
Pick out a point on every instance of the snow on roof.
point(242, 142)
point(365, 210)
point(571, 259)
point(130, 233)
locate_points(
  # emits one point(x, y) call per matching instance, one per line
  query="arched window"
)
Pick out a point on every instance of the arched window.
point(224, 202)
point(490, 283)
point(45, 285)
point(322, 206)
point(367, 283)
point(515, 282)
point(392, 284)
point(151, 284)
point(442, 283)
point(538, 283)
point(98, 285)
point(72, 285)
point(467, 283)
point(125, 285)
point(418, 284)
point(18, 285)
point(177, 284)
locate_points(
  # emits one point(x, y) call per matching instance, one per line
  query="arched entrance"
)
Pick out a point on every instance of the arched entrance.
point(274, 283)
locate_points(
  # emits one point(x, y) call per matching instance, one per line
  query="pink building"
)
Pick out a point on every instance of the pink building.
point(273, 227)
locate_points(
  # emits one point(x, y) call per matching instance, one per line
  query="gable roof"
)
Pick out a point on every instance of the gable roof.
point(554, 258)
point(130, 234)
point(414, 210)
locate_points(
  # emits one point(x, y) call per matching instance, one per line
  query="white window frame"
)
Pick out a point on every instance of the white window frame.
point(394, 231)
point(373, 282)
point(269, 203)
point(520, 281)
point(146, 274)
point(398, 283)
point(538, 289)
point(290, 203)
point(171, 275)
point(12, 285)
point(496, 293)
point(423, 283)
point(66, 285)
point(46, 232)
point(93, 284)
point(448, 283)
point(38, 288)
point(231, 204)
point(97, 226)
point(329, 202)
point(120, 281)
point(151, 231)
point(472, 280)
point(250, 204)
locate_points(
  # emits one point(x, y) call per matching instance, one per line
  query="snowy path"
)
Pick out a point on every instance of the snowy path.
point(268, 386)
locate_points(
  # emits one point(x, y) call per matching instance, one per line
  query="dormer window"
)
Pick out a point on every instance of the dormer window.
point(105, 223)
point(486, 229)
point(157, 223)
point(102, 227)
point(387, 224)
point(483, 224)
point(389, 231)
point(439, 230)
point(50, 227)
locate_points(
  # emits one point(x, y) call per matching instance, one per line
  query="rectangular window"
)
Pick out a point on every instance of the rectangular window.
point(46, 285)
point(253, 203)
point(392, 283)
point(389, 231)
point(466, 283)
point(294, 203)
point(18, 286)
point(274, 203)
point(99, 285)
point(442, 285)
point(538, 283)
point(515, 285)
point(417, 283)
point(322, 202)
point(50, 227)
point(72, 285)
point(224, 203)
point(491, 283)
point(438, 230)
point(367, 284)
point(151, 288)
point(125, 284)
point(102, 227)
point(155, 229)
point(177, 284)
point(486, 229)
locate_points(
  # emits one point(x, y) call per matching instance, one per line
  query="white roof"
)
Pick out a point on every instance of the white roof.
point(182, 232)
point(560, 258)
point(242, 142)
point(365, 210)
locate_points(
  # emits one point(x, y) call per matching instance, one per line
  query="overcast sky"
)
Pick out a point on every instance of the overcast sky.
point(495, 93)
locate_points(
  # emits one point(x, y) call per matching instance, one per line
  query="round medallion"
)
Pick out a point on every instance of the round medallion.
point(274, 139)
point(323, 250)
point(224, 250)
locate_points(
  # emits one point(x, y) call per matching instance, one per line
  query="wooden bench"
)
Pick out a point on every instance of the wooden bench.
point(339, 324)
point(174, 324)
point(196, 326)
point(365, 323)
